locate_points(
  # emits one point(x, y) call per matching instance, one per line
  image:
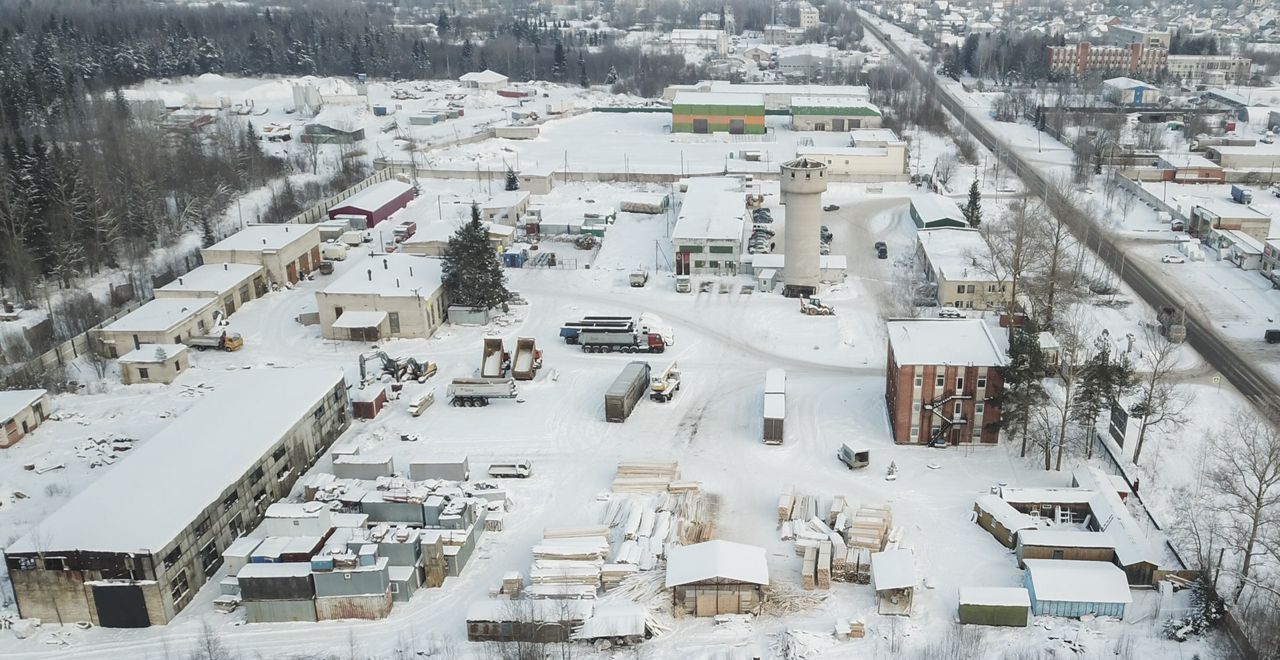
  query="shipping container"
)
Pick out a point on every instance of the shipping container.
point(273, 611)
point(775, 412)
point(370, 606)
point(627, 389)
point(451, 469)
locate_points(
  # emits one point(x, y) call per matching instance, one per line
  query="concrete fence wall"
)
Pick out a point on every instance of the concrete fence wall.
point(67, 351)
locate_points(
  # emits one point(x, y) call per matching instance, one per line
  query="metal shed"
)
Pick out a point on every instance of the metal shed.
point(994, 606)
point(1076, 588)
point(717, 577)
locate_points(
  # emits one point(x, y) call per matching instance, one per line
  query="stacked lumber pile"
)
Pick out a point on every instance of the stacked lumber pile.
point(834, 541)
point(652, 477)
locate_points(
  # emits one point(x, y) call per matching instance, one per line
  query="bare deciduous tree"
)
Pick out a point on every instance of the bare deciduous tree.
point(1245, 470)
point(1160, 402)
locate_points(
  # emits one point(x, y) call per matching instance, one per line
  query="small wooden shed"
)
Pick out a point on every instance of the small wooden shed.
point(1065, 544)
point(154, 363)
point(368, 402)
point(893, 574)
point(995, 606)
point(1001, 520)
point(717, 577)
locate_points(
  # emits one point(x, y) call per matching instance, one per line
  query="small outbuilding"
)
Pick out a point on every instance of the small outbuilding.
point(931, 210)
point(161, 321)
point(1061, 587)
point(377, 202)
point(1000, 519)
point(995, 606)
point(487, 80)
point(1071, 544)
point(233, 283)
point(286, 251)
point(368, 402)
point(396, 295)
point(717, 577)
point(893, 574)
point(22, 411)
point(154, 363)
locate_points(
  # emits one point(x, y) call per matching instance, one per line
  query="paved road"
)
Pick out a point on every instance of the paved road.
point(1251, 381)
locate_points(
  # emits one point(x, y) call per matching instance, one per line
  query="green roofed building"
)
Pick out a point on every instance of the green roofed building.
point(832, 113)
point(706, 112)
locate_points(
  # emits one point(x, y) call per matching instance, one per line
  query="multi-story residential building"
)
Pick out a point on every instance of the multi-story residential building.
point(808, 15)
point(959, 263)
point(1084, 57)
point(943, 383)
point(134, 547)
point(716, 41)
point(1209, 69)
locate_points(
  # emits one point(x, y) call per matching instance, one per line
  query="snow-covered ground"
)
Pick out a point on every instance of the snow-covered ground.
point(724, 343)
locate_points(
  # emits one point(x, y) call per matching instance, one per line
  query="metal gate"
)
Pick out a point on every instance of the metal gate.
point(121, 606)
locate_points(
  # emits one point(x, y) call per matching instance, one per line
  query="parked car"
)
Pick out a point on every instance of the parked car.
point(1173, 259)
point(882, 253)
point(949, 313)
point(1272, 336)
point(825, 234)
point(880, 245)
point(831, 207)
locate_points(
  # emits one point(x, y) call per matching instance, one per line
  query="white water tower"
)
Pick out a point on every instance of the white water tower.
point(803, 182)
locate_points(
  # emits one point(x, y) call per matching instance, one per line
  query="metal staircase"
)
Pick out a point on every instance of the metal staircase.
point(938, 408)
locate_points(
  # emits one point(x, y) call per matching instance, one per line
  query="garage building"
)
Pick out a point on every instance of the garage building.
point(832, 113)
point(233, 284)
point(161, 321)
point(22, 411)
point(287, 252)
point(377, 202)
point(396, 295)
point(704, 112)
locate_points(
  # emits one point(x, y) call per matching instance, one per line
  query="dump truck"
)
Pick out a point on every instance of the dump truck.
point(1240, 195)
point(571, 330)
point(775, 414)
point(607, 340)
point(515, 470)
point(1172, 324)
point(621, 397)
point(665, 385)
point(225, 341)
point(854, 458)
point(639, 278)
point(496, 359)
point(476, 392)
point(528, 359)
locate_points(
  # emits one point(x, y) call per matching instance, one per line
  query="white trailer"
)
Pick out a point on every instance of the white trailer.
point(476, 392)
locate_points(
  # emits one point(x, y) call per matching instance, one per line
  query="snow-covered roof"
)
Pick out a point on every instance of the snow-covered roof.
point(945, 341)
point(1044, 495)
point(146, 353)
point(1227, 209)
point(150, 497)
point(791, 90)
point(998, 596)
point(376, 196)
point(1009, 517)
point(265, 238)
point(295, 510)
point(342, 118)
point(354, 319)
point(488, 76)
point(832, 102)
point(1126, 83)
point(530, 610)
point(614, 620)
point(288, 569)
point(932, 206)
point(1073, 581)
point(958, 255)
point(1113, 517)
point(893, 569)
point(161, 314)
point(213, 279)
point(775, 381)
point(725, 560)
point(1065, 538)
point(696, 33)
point(775, 405)
point(870, 152)
point(778, 261)
point(390, 275)
point(1047, 341)
point(505, 199)
point(1187, 161)
point(1260, 149)
point(13, 402)
point(714, 98)
point(713, 208)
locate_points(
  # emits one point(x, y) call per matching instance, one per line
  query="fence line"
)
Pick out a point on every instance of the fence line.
point(68, 350)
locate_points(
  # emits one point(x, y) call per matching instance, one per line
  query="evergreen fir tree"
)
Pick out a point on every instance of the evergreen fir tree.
point(472, 273)
point(582, 71)
point(467, 52)
point(973, 208)
point(612, 76)
point(1023, 387)
point(513, 182)
point(558, 63)
point(442, 23)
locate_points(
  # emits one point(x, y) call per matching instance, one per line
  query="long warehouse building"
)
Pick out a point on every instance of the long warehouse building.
point(134, 547)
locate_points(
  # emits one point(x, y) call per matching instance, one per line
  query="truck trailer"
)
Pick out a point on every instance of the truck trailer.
point(476, 392)
point(626, 390)
point(495, 360)
point(528, 359)
point(607, 340)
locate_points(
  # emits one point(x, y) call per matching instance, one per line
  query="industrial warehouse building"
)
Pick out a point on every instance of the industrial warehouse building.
point(233, 284)
point(397, 295)
point(154, 363)
point(699, 112)
point(134, 547)
point(1258, 158)
point(375, 203)
point(875, 155)
point(22, 411)
point(287, 252)
point(943, 381)
point(777, 96)
point(931, 211)
point(832, 113)
point(161, 321)
point(717, 577)
point(707, 238)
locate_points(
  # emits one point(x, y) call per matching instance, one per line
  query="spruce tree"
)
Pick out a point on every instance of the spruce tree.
point(442, 23)
point(472, 273)
point(513, 182)
point(612, 77)
point(1023, 389)
point(973, 209)
point(582, 72)
point(558, 68)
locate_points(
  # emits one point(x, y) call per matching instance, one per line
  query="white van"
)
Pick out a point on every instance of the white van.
point(333, 251)
point(353, 238)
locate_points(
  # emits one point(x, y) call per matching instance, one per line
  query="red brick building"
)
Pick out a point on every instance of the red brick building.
point(943, 381)
point(1083, 58)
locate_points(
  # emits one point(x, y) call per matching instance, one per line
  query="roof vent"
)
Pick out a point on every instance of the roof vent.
point(370, 271)
point(385, 266)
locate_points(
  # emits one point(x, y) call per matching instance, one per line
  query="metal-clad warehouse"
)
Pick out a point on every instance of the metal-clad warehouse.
point(995, 606)
point(377, 202)
point(1061, 587)
point(931, 210)
point(702, 112)
point(832, 113)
